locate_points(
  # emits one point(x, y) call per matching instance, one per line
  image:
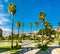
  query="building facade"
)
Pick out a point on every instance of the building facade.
point(0, 32)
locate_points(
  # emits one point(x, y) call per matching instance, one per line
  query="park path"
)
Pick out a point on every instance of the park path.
point(53, 46)
point(28, 47)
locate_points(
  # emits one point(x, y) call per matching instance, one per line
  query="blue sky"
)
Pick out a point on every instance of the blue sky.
point(28, 11)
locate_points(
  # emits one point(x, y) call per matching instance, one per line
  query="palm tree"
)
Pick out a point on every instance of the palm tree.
point(22, 24)
point(18, 26)
point(36, 24)
point(50, 29)
point(45, 24)
point(58, 28)
point(46, 27)
point(12, 11)
point(59, 25)
point(30, 28)
point(42, 19)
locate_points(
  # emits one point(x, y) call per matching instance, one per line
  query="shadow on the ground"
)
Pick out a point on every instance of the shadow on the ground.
point(26, 49)
point(1, 51)
point(48, 51)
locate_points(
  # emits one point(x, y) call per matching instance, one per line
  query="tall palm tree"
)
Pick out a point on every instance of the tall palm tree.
point(12, 11)
point(58, 27)
point(46, 27)
point(22, 24)
point(59, 24)
point(36, 24)
point(45, 24)
point(30, 28)
point(18, 26)
point(42, 19)
point(50, 29)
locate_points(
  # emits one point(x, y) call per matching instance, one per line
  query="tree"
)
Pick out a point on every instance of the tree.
point(31, 28)
point(36, 25)
point(46, 27)
point(42, 16)
point(18, 26)
point(50, 29)
point(12, 11)
point(54, 33)
point(22, 24)
point(45, 24)
point(58, 28)
point(59, 24)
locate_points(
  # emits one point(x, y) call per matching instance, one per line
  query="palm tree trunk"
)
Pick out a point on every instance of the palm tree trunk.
point(42, 33)
point(31, 30)
point(18, 32)
point(36, 29)
point(36, 33)
point(22, 30)
point(17, 38)
point(12, 31)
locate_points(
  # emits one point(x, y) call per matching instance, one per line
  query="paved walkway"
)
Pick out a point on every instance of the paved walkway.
point(49, 50)
point(28, 48)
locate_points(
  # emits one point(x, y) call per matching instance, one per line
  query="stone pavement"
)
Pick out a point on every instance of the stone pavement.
point(49, 50)
point(29, 48)
point(7, 52)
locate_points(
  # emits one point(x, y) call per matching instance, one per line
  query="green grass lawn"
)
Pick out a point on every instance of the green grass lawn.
point(8, 48)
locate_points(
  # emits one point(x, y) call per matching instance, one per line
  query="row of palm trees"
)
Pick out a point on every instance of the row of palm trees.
point(19, 24)
point(12, 11)
point(36, 25)
point(42, 18)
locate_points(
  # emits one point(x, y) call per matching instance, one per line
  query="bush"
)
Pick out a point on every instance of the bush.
point(17, 47)
point(42, 47)
point(38, 45)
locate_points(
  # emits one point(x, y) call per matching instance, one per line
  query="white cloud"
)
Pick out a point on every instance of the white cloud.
point(4, 18)
point(6, 29)
point(35, 31)
point(6, 0)
point(3, 14)
point(4, 21)
point(1, 6)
